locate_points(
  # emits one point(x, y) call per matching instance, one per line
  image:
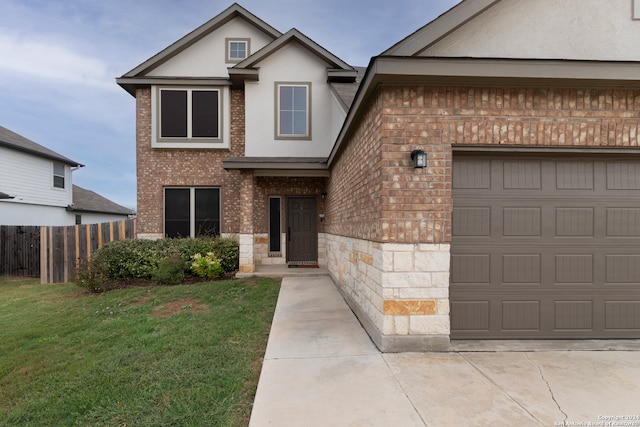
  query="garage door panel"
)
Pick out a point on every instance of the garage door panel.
point(471, 268)
point(622, 269)
point(572, 175)
point(622, 315)
point(623, 222)
point(574, 269)
point(623, 175)
point(470, 316)
point(521, 269)
point(546, 248)
point(521, 221)
point(522, 175)
point(573, 315)
point(521, 315)
point(472, 221)
point(574, 222)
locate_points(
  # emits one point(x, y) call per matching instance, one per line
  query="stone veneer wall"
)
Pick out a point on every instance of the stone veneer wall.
point(388, 227)
point(400, 291)
point(380, 209)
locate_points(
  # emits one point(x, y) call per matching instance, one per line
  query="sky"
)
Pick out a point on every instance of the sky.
point(59, 60)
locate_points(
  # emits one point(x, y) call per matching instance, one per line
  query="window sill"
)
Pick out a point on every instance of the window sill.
point(191, 145)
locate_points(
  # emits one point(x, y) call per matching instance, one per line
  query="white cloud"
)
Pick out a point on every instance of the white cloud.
point(44, 59)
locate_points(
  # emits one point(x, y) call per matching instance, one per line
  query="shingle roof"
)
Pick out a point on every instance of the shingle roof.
point(18, 142)
point(347, 91)
point(89, 201)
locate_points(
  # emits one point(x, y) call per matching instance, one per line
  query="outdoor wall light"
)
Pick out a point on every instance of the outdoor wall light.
point(419, 158)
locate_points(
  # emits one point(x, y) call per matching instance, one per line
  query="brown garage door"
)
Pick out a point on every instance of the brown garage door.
point(545, 247)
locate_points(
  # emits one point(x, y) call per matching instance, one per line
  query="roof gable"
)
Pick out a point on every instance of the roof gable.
point(338, 70)
point(440, 27)
point(601, 30)
point(17, 142)
point(232, 12)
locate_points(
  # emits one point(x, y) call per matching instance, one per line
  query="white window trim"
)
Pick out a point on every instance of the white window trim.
point(224, 112)
point(277, 133)
point(227, 49)
point(53, 175)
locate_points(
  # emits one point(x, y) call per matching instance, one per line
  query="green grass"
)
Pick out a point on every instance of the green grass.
point(181, 355)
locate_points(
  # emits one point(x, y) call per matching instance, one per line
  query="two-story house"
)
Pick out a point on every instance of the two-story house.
point(235, 122)
point(36, 188)
point(483, 181)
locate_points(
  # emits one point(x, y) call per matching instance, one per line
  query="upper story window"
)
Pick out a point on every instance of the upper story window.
point(189, 114)
point(293, 110)
point(190, 117)
point(237, 49)
point(58, 175)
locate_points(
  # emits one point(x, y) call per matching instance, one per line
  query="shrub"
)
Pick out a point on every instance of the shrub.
point(207, 266)
point(90, 275)
point(152, 259)
point(170, 271)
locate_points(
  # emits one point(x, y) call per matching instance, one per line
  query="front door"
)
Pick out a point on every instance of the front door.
point(302, 230)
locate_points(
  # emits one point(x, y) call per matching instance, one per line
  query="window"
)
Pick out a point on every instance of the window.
point(58, 175)
point(293, 119)
point(274, 224)
point(78, 219)
point(189, 114)
point(191, 212)
point(237, 49)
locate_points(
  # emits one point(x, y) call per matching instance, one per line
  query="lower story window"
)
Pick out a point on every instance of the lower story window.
point(191, 212)
point(274, 224)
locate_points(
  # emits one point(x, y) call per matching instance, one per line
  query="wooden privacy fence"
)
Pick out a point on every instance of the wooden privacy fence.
point(20, 250)
point(61, 248)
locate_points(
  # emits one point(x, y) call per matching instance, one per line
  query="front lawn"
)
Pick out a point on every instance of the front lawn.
point(151, 356)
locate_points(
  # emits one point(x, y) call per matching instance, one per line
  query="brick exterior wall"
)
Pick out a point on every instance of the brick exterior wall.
point(377, 198)
point(376, 195)
point(158, 168)
point(244, 198)
point(284, 186)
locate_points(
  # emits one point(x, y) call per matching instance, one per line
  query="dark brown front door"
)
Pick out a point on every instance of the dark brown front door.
point(302, 230)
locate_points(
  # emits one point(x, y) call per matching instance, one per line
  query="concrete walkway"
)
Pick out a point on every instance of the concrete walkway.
point(321, 369)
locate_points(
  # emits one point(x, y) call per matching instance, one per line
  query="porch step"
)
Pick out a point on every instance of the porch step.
point(284, 270)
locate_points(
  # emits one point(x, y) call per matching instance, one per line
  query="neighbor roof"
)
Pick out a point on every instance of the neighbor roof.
point(88, 201)
point(17, 142)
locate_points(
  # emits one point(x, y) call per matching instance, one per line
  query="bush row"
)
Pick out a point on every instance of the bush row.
point(166, 261)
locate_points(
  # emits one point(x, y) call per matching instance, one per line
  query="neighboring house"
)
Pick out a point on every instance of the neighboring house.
point(89, 207)
point(36, 188)
point(524, 222)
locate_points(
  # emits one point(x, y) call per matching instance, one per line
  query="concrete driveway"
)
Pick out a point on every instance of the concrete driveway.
point(321, 369)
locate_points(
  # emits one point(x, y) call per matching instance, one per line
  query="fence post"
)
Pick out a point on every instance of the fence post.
point(43, 255)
